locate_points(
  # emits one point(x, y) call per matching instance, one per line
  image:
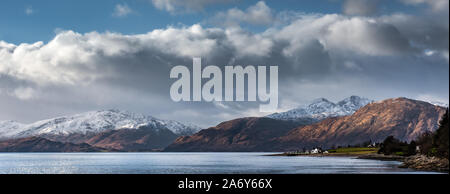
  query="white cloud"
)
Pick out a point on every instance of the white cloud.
point(176, 6)
point(249, 44)
point(425, 33)
point(122, 10)
point(258, 14)
point(29, 10)
point(7, 46)
point(52, 62)
point(445, 55)
point(342, 34)
point(367, 36)
point(72, 58)
point(435, 5)
point(23, 93)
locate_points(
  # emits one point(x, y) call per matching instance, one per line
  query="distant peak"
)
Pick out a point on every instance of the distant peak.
point(319, 100)
point(321, 108)
point(355, 100)
point(355, 97)
point(117, 112)
point(112, 110)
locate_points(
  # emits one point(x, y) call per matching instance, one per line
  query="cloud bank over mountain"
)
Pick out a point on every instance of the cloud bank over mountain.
point(319, 55)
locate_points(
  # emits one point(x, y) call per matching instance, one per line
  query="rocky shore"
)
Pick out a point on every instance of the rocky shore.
point(421, 162)
point(417, 162)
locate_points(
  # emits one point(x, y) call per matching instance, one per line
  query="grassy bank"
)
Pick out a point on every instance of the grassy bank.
point(354, 151)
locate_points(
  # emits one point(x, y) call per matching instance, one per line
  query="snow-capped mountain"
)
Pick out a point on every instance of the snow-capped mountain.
point(10, 128)
point(91, 122)
point(322, 108)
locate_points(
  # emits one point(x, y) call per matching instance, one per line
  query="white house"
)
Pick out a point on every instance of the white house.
point(315, 151)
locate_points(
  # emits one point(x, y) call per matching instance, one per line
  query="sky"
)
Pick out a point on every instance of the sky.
point(66, 57)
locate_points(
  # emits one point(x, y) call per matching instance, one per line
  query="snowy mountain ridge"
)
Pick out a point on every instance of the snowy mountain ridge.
point(91, 122)
point(322, 108)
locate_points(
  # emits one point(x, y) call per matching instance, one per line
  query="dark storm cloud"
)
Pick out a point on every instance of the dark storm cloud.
point(425, 32)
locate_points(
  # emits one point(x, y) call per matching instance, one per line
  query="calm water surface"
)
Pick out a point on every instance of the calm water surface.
point(187, 163)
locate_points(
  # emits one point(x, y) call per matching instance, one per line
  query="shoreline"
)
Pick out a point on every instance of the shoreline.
point(416, 162)
point(315, 155)
point(422, 162)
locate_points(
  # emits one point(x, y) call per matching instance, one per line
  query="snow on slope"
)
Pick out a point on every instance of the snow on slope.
point(91, 122)
point(10, 128)
point(322, 108)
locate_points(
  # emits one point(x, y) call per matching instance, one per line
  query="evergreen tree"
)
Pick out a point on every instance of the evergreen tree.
point(392, 145)
point(441, 138)
point(426, 143)
point(412, 148)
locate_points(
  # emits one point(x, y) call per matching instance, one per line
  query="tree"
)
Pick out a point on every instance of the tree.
point(425, 142)
point(412, 148)
point(392, 145)
point(441, 138)
point(367, 143)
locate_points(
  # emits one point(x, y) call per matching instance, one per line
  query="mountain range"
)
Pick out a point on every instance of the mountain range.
point(322, 123)
point(38, 144)
point(105, 129)
point(91, 122)
point(403, 118)
point(321, 108)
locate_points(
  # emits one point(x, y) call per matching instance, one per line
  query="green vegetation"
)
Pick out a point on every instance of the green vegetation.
point(353, 151)
point(393, 146)
point(430, 144)
point(436, 144)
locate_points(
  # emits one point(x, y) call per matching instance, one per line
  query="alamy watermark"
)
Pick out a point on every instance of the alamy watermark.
point(212, 90)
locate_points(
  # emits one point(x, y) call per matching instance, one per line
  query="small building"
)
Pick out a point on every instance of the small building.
point(316, 151)
point(372, 145)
